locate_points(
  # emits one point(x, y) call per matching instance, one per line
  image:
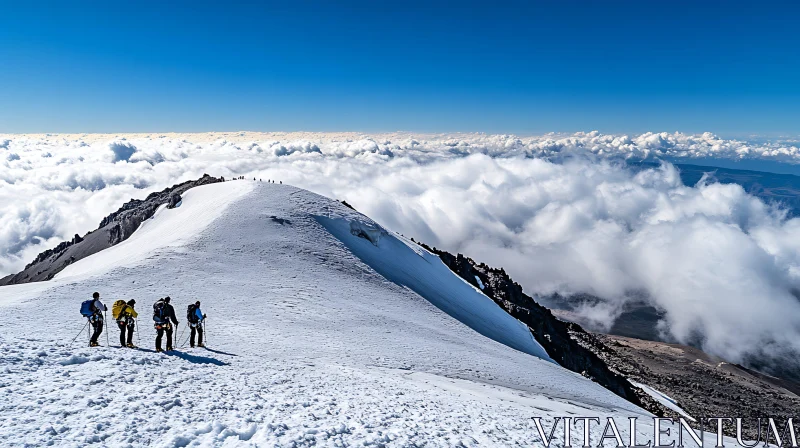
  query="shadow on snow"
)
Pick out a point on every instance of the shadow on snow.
point(220, 352)
point(196, 359)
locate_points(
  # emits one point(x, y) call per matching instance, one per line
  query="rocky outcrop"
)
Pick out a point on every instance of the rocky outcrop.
point(565, 342)
point(701, 384)
point(113, 229)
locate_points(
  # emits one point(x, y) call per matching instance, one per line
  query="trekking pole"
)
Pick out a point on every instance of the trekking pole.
point(138, 336)
point(205, 334)
point(185, 341)
point(108, 344)
point(79, 333)
point(179, 337)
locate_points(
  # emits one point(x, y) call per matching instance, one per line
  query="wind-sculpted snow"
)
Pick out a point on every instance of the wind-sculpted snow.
point(411, 266)
point(556, 211)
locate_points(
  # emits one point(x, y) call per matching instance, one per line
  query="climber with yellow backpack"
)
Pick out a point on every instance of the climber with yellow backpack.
point(125, 316)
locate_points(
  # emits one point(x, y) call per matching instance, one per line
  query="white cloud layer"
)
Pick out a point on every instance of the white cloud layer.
point(720, 263)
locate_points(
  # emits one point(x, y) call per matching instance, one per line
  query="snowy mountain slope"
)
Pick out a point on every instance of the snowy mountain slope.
point(310, 343)
point(406, 263)
point(167, 228)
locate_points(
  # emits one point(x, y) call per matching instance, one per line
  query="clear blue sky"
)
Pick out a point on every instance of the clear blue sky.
point(526, 67)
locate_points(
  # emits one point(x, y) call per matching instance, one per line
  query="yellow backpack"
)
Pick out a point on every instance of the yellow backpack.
point(116, 309)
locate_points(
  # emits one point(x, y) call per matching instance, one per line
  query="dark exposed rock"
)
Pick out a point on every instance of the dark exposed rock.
point(113, 229)
point(701, 384)
point(281, 221)
point(566, 343)
point(174, 200)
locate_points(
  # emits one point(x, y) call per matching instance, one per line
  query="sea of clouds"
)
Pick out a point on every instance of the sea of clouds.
point(561, 213)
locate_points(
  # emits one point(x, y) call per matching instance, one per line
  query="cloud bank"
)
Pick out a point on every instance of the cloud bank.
point(559, 213)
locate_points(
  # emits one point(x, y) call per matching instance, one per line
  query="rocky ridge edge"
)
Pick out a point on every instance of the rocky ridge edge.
point(112, 230)
point(702, 385)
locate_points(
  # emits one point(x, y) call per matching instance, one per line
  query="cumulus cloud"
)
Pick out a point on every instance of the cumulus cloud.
point(559, 213)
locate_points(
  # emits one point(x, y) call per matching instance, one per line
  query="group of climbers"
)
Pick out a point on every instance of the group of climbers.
point(124, 313)
point(269, 181)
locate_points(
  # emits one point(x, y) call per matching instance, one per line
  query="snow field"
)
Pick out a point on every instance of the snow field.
point(117, 397)
point(316, 339)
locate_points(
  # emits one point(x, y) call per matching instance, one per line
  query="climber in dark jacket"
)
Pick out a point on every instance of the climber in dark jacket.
point(163, 324)
point(97, 319)
point(195, 318)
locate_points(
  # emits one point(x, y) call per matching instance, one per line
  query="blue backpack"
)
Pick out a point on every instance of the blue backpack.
point(87, 308)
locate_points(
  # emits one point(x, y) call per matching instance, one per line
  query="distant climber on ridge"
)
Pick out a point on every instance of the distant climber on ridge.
point(163, 313)
point(195, 317)
point(125, 316)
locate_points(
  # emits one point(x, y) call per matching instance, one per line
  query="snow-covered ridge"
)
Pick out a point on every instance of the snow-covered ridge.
point(167, 228)
point(407, 264)
point(316, 334)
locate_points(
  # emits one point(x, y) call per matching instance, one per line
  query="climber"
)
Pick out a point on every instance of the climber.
point(195, 318)
point(163, 313)
point(93, 310)
point(125, 316)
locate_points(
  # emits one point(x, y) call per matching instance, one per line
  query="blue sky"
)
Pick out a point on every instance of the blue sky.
point(523, 67)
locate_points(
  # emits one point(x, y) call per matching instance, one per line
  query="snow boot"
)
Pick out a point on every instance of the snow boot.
point(131, 346)
point(158, 350)
point(94, 344)
point(169, 349)
point(201, 345)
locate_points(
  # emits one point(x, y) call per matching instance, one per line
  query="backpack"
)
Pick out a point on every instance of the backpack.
point(117, 308)
point(87, 308)
point(159, 311)
point(191, 315)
